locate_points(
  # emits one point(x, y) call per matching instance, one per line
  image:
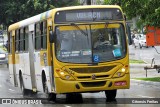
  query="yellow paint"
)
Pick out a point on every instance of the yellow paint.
point(10, 59)
point(84, 27)
point(13, 33)
point(17, 59)
point(43, 57)
point(49, 22)
point(61, 84)
point(13, 27)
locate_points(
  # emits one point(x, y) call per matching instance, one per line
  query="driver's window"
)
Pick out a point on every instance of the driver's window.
point(100, 38)
point(66, 40)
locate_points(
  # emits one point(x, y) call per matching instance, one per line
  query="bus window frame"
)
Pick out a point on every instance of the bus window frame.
point(26, 40)
point(17, 37)
point(92, 23)
point(40, 35)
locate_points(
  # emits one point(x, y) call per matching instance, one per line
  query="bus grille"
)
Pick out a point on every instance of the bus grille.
point(89, 77)
point(93, 69)
point(93, 84)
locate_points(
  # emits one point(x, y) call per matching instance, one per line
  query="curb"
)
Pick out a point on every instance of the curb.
point(146, 82)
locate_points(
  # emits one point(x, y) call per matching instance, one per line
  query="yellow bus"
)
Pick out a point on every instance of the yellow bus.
point(71, 50)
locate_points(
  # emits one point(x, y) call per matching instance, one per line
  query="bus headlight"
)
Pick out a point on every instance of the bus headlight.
point(123, 70)
point(120, 73)
point(67, 77)
point(64, 75)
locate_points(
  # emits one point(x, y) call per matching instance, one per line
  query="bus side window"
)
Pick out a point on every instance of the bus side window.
point(43, 30)
point(37, 37)
point(17, 40)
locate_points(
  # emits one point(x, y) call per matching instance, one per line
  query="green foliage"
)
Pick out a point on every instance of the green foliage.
point(147, 10)
point(136, 61)
point(155, 79)
point(16, 10)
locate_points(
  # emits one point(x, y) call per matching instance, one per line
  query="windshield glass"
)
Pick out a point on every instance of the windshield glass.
point(90, 43)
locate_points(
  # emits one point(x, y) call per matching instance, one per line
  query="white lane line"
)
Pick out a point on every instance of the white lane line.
point(0, 86)
point(145, 96)
point(67, 106)
point(11, 90)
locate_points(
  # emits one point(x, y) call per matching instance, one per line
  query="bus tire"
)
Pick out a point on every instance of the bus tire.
point(111, 95)
point(49, 96)
point(52, 97)
point(24, 91)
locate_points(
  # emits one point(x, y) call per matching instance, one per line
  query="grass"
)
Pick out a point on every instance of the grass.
point(155, 79)
point(136, 61)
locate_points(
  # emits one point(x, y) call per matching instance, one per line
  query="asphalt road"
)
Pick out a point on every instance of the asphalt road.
point(136, 90)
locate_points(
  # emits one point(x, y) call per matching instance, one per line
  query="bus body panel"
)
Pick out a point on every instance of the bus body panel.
point(86, 78)
point(41, 66)
point(38, 70)
point(23, 66)
point(71, 85)
point(11, 74)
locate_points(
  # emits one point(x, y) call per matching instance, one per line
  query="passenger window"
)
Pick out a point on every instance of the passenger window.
point(17, 37)
point(37, 37)
point(41, 35)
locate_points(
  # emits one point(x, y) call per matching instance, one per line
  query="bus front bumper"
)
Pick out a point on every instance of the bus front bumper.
point(64, 86)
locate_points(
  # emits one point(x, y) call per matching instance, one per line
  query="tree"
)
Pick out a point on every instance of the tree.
point(147, 10)
point(16, 10)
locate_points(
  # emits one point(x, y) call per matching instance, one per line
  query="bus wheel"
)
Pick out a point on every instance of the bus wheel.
point(49, 96)
point(24, 91)
point(111, 95)
point(52, 97)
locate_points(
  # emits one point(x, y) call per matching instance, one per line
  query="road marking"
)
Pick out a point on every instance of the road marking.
point(67, 106)
point(11, 90)
point(145, 96)
point(0, 86)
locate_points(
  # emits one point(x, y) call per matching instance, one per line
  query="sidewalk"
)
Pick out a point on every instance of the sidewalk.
point(147, 83)
point(137, 71)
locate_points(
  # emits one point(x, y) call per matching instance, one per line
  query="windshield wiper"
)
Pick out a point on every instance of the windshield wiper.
point(73, 24)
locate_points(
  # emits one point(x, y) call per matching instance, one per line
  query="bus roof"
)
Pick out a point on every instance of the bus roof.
point(30, 20)
point(87, 7)
point(48, 14)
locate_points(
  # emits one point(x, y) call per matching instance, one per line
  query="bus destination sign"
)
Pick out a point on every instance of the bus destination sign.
point(88, 15)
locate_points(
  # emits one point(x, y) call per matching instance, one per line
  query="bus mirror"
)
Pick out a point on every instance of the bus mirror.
point(129, 34)
point(51, 36)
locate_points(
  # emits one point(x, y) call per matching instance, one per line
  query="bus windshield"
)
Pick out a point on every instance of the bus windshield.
point(90, 43)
